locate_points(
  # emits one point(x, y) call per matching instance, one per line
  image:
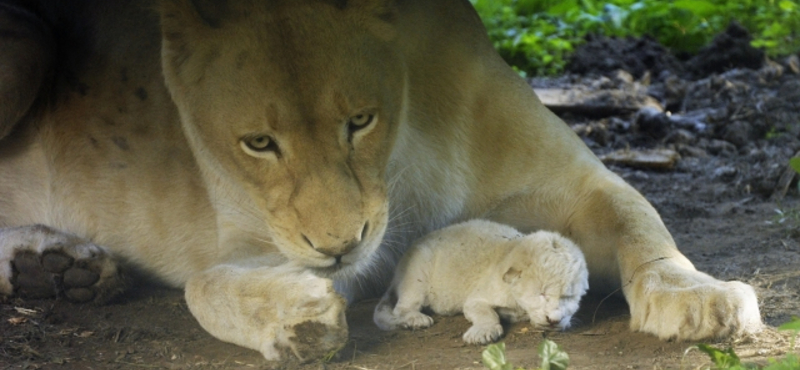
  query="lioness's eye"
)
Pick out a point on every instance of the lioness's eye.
point(260, 145)
point(358, 122)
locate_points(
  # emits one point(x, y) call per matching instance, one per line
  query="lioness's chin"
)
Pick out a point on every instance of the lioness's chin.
point(342, 270)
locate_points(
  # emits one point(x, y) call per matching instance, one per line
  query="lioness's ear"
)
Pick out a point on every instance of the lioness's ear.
point(183, 21)
point(341, 4)
point(511, 275)
point(383, 9)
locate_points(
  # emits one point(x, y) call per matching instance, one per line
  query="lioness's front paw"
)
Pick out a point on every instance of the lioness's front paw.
point(315, 326)
point(280, 311)
point(483, 334)
point(690, 305)
point(41, 262)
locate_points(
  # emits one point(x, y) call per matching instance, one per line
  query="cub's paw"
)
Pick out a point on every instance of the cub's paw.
point(483, 333)
point(41, 262)
point(689, 305)
point(415, 320)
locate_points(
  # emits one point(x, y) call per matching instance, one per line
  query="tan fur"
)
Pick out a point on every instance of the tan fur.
point(487, 271)
point(141, 148)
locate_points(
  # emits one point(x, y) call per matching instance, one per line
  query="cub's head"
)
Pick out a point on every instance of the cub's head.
point(291, 108)
point(548, 277)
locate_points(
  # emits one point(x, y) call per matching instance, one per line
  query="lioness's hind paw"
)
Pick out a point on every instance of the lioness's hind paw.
point(39, 262)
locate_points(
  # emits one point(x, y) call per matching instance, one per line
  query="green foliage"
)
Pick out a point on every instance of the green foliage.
point(553, 357)
point(795, 164)
point(793, 325)
point(537, 36)
point(494, 357)
point(727, 359)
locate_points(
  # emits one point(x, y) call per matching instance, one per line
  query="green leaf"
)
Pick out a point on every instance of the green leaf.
point(795, 323)
point(722, 359)
point(787, 6)
point(795, 164)
point(700, 8)
point(553, 357)
point(494, 357)
point(790, 362)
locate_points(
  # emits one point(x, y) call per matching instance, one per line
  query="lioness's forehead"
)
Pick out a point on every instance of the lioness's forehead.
point(298, 61)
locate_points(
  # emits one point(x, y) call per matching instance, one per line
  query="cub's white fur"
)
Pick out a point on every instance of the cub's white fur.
point(488, 271)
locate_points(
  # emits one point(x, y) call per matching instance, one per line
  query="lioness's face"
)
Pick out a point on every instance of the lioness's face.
point(299, 103)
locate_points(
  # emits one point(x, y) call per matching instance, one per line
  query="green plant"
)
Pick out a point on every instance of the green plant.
point(553, 357)
point(537, 36)
point(728, 360)
point(794, 163)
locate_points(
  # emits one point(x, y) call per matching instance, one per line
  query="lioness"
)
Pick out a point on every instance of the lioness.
point(487, 271)
point(275, 157)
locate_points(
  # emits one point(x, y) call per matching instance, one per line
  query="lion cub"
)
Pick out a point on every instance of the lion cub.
point(488, 271)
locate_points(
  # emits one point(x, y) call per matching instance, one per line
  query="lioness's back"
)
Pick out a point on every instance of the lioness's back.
point(102, 151)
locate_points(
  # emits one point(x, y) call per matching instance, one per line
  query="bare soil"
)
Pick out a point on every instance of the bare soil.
point(735, 131)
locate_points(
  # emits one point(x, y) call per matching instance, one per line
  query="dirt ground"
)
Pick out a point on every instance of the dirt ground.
point(734, 129)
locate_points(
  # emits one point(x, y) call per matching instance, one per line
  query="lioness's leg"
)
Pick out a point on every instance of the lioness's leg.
point(279, 311)
point(25, 58)
point(38, 261)
point(626, 243)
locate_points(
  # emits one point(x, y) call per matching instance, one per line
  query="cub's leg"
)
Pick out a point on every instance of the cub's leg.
point(411, 298)
point(39, 261)
point(486, 326)
point(394, 312)
point(280, 311)
point(25, 59)
point(411, 286)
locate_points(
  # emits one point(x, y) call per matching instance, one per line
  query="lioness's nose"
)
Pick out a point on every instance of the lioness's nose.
point(334, 248)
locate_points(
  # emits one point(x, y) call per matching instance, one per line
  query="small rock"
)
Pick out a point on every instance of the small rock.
point(770, 71)
point(691, 151)
point(721, 147)
point(655, 159)
point(680, 136)
point(652, 122)
point(725, 173)
point(622, 77)
point(793, 63)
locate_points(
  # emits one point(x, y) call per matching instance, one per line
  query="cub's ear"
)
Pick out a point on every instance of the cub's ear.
point(511, 275)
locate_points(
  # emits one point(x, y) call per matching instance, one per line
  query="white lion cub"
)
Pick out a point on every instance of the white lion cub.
point(488, 271)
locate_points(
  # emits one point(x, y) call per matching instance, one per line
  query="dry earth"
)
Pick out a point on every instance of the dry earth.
point(735, 131)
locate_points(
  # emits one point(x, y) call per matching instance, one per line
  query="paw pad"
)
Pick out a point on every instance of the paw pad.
point(53, 273)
